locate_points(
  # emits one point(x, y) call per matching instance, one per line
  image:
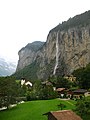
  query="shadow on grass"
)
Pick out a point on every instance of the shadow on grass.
point(61, 106)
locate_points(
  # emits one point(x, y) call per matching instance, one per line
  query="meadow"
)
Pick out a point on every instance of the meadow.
point(34, 110)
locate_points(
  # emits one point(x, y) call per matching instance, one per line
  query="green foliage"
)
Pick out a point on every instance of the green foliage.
point(60, 82)
point(53, 80)
point(8, 91)
point(61, 106)
point(83, 107)
point(29, 72)
point(40, 91)
point(83, 77)
point(48, 92)
point(79, 20)
point(34, 68)
point(34, 110)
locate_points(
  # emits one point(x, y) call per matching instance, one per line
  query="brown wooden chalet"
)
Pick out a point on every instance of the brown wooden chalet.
point(62, 115)
point(79, 91)
point(61, 91)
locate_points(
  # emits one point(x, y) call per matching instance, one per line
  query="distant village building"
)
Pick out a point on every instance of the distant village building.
point(22, 82)
point(61, 91)
point(27, 83)
point(47, 83)
point(79, 92)
point(87, 94)
point(63, 115)
point(54, 88)
point(70, 78)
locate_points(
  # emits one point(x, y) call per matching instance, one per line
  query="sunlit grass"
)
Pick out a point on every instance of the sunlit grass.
point(34, 110)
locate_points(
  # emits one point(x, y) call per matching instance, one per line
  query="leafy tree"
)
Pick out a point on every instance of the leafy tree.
point(40, 91)
point(62, 82)
point(61, 106)
point(83, 77)
point(53, 80)
point(48, 92)
point(83, 107)
point(35, 92)
point(59, 81)
point(8, 91)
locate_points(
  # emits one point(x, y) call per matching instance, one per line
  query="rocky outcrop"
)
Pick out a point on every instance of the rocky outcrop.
point(74, 48)
point(28, 54)
point(67, 48)
point(71, 53)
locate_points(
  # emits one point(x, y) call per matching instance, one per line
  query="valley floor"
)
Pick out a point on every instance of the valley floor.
point(34, 110)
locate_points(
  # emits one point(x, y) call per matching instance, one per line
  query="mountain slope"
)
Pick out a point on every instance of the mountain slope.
point(28, 54)
point(67, 48)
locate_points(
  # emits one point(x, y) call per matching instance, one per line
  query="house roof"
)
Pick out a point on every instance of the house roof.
point(46, 83)
point(28, 83)
point(65, 115)
point(80, 91)
point(60, 89)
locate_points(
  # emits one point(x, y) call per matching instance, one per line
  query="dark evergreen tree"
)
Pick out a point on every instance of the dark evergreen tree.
point(83, 107)
point(83, 77)
point(8, 91)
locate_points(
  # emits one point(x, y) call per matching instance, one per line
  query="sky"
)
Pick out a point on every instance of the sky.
point(25, 21)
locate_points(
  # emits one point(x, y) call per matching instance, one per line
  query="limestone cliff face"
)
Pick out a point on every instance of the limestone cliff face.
point(74, 47)
point(26, 57)
point(72, 51)
point(76, 51)
point(67, 48)
point(28, 54)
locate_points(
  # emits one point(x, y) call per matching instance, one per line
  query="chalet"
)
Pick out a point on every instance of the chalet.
point(62, 115)
point(61, 91)
point(70, 78)
point(47, 83)
point(27, 83)
point(69, 93)
point(22, 82)
point(79, 92)
point(87, 94)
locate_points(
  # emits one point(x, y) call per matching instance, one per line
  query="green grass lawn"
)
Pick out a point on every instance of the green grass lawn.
point(34, 110)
